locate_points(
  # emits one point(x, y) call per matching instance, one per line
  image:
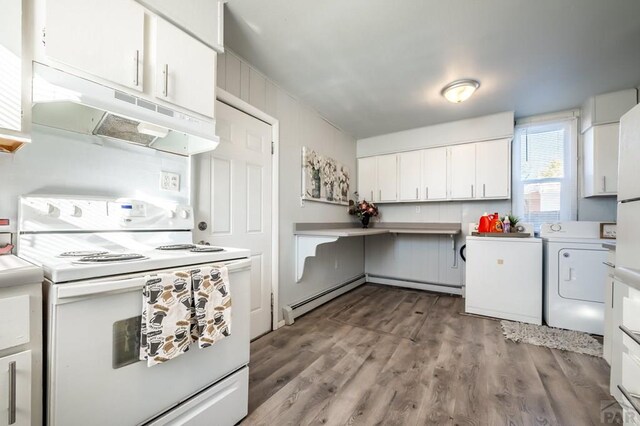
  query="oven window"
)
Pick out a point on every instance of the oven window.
point(126, 342)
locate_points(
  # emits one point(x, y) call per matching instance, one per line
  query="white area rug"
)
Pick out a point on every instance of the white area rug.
point(556, 338)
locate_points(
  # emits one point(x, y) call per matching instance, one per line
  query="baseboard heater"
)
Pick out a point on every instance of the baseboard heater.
point(416, 284)
point(294, 310)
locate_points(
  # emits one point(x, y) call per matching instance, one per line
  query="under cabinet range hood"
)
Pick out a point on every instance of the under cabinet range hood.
point(68, 102)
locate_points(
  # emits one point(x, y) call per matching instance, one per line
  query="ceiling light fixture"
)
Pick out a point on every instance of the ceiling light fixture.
point(460, 90)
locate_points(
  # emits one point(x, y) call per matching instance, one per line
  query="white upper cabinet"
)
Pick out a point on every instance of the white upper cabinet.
point(434, 174)
point(387, 178)
point(367, 178)
point(493, 169)
point(601, 160)
point(409, 174)
point(15, 102)
point(184, 70)
point(607, 108)
point(462, 166)
point(102, 38)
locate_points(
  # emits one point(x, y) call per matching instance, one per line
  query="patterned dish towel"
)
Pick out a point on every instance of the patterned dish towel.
point(172, 318)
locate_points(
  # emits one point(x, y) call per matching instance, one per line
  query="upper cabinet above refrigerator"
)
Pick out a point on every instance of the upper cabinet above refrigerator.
point(629, 156)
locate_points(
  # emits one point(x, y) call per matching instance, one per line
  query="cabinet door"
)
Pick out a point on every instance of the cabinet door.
point(102, 38)
point(11, 65)
point(409, 171)
point(15, 378)
point(387, 182)
point(605, 157)
point(462, 161)
point(367, 178)
point(493, 165)
point(185, 70)
point(434, 174)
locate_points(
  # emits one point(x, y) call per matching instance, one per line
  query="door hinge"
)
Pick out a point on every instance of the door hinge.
point(271, 302)
point(44, 35)
point(273, 147)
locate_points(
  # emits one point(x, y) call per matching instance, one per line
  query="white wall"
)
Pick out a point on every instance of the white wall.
point(58, 162)
point(299, 126)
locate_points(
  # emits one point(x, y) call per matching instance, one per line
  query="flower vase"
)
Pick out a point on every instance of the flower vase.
point(365, 220)
point(315, 183)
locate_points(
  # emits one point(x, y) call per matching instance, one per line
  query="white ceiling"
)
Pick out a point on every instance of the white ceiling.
point(377, 66)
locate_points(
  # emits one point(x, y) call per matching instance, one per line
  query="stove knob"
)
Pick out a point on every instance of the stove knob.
point(184, 214)
point(76, 212)
point(171, 214)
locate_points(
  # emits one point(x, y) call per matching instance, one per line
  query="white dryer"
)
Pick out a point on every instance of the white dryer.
point(574, 276)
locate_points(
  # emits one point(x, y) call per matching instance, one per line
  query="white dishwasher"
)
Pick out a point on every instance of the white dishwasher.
point(504, 278)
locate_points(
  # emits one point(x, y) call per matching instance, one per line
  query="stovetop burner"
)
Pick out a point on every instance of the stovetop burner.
point(206, 249)
point(82, 253)
point(111, 257)
point(177, 247)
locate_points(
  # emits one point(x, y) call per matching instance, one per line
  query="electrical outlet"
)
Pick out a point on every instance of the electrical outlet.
point(169, 181)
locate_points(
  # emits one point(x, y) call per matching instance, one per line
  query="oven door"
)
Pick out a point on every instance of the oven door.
point(94, 376)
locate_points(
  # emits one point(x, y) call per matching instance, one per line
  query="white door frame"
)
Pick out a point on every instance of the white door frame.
point(237, 103)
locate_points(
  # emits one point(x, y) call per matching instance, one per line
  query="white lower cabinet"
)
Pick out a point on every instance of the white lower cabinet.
point(15, 382)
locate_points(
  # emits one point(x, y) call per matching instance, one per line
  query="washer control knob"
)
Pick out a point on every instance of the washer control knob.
point(171, 214)
point(556, 227)
point(51, 209)
point(76, 211)
point(184, 214)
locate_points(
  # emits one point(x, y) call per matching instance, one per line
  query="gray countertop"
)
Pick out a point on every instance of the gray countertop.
point(15, 271)
point(353, 230)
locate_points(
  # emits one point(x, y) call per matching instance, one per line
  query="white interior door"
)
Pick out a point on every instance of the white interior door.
point(234, 200)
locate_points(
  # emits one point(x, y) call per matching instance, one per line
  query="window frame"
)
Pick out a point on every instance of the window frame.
point(569, 182)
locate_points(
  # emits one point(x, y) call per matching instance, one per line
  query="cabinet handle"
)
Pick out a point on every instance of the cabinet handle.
point(630, 398)
point(471, 190)
point(634, 336)
point(426, 192)
point(609, 264)
point(371, 195)
point(484, 190)
point(417, 195)
point(379, 194)
point(12, 393)
point(165, 72)
point(136, 79)
point(604, 184)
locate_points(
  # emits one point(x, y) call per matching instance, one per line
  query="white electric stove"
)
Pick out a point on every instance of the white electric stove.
point(95, 253)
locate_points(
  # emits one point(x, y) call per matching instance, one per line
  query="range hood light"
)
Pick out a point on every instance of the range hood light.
point(460, 90)
point(153, 130)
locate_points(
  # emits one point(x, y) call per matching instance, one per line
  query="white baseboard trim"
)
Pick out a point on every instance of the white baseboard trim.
point(302, 307)
point(439, 288)
point(280, 324)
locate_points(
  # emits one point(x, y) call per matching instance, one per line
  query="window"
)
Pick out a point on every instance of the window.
point(544, 172)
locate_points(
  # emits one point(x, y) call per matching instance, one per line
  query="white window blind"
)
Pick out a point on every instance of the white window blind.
point(544, 172)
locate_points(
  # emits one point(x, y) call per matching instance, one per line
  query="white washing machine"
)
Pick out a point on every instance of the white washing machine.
point(574, 276)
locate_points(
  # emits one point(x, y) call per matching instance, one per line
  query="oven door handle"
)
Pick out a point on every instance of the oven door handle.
point(72, 291)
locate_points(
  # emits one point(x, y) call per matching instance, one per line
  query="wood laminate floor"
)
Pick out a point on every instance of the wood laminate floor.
point(391, 356)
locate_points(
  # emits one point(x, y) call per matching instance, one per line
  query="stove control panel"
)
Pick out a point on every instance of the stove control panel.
point(49, 213)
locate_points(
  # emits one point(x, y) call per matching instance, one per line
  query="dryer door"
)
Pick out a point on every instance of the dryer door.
point(582, 274)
